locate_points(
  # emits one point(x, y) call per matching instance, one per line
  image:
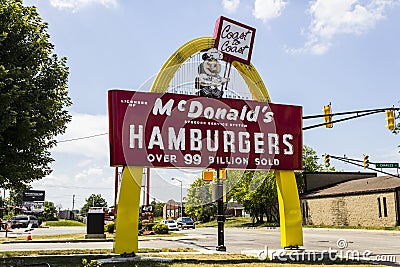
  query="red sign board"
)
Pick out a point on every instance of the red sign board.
point(173, 130)
point(234, 39)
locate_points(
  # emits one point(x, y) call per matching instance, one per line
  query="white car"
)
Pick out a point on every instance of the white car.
point(171, 224)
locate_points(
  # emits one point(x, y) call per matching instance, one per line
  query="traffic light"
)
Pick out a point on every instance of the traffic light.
point(366, 161)
point(222, 174)
point(208, 175)
point(328, 116)
point(327, 160)
point(390, 119)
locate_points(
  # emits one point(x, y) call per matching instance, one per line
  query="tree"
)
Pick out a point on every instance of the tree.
point(397, 129)
point(93, 201)
point(33, 95)
point(49, 213)
point(199, 203)
point(310, 160)
point(256, 191)
point(158, 208)
point(310, 164)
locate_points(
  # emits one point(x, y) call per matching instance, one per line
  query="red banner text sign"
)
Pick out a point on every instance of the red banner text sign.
point(172, 130)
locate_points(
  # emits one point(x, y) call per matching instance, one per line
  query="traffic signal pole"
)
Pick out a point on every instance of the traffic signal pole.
point(359, 113)
point(353, 161)
point(220, 213)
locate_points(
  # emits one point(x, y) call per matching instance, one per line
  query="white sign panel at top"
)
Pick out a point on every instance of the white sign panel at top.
point(234, 39)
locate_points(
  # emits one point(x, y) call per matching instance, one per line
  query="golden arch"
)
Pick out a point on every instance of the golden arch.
point(171, 66)
point(126, 237)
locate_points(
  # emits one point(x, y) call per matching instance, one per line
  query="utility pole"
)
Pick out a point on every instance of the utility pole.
point(73, 206)
point(148, 186)
point(144, 197)
point(181, 213)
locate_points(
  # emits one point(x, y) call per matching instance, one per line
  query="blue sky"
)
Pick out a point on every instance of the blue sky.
point(309, 53)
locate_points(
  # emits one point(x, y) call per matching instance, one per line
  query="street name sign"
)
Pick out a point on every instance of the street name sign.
point(387, 165)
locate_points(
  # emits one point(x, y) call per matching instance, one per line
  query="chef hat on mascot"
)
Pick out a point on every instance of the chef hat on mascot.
point(212, 53)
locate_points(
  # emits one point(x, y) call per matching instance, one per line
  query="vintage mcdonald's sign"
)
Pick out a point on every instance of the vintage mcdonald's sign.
point(173, 130)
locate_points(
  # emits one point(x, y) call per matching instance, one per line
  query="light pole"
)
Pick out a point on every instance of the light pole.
point(144, 192)
point(181, 213)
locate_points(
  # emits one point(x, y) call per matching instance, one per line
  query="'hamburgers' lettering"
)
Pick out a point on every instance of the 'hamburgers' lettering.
point(243, 142)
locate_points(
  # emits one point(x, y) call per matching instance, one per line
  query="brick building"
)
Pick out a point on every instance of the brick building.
point(351, 199)
point(172, 210)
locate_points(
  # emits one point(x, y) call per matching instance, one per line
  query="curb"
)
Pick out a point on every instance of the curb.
point(172, 238)
point(58, 241)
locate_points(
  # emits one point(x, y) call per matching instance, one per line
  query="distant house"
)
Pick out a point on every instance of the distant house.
point(234, 209)
point(172, 210)
point(357, 200)
point(66, 215)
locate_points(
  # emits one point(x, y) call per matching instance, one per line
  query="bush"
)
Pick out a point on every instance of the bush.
point(160, 229)
point(149, 226)
point(44, 217)
point(109, 227)
point(92, 263)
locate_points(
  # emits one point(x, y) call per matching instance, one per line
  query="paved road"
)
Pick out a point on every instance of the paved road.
point(45, 231)
point(236, 240)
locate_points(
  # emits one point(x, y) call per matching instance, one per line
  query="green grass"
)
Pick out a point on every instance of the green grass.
point(7, 254)
point(392, 228)
point(237, 222)
point(49, 237)
point(74, 258)
point(63, 223)
point(77, 237)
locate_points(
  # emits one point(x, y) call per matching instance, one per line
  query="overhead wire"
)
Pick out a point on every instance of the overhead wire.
point(80, 138)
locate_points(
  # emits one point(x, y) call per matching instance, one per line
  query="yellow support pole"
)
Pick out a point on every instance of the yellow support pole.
point(126, 234)
point(289, 209)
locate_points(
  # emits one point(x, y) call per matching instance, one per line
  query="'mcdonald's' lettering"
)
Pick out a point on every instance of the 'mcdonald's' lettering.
point(196, 110)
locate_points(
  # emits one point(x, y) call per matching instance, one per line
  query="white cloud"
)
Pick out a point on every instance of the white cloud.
point(230, 6)
point(82, 126)
point(266, 10)
point(332, 18)
point(92, 171)
point(84, 162)
point(62, 185)
point(75, 5)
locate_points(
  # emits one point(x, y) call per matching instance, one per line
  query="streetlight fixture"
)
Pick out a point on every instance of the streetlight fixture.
point(173, 178)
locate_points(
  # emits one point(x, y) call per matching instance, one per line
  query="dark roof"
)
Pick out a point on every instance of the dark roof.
point(234, 205)
point(171, 202)
point(356, 187)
